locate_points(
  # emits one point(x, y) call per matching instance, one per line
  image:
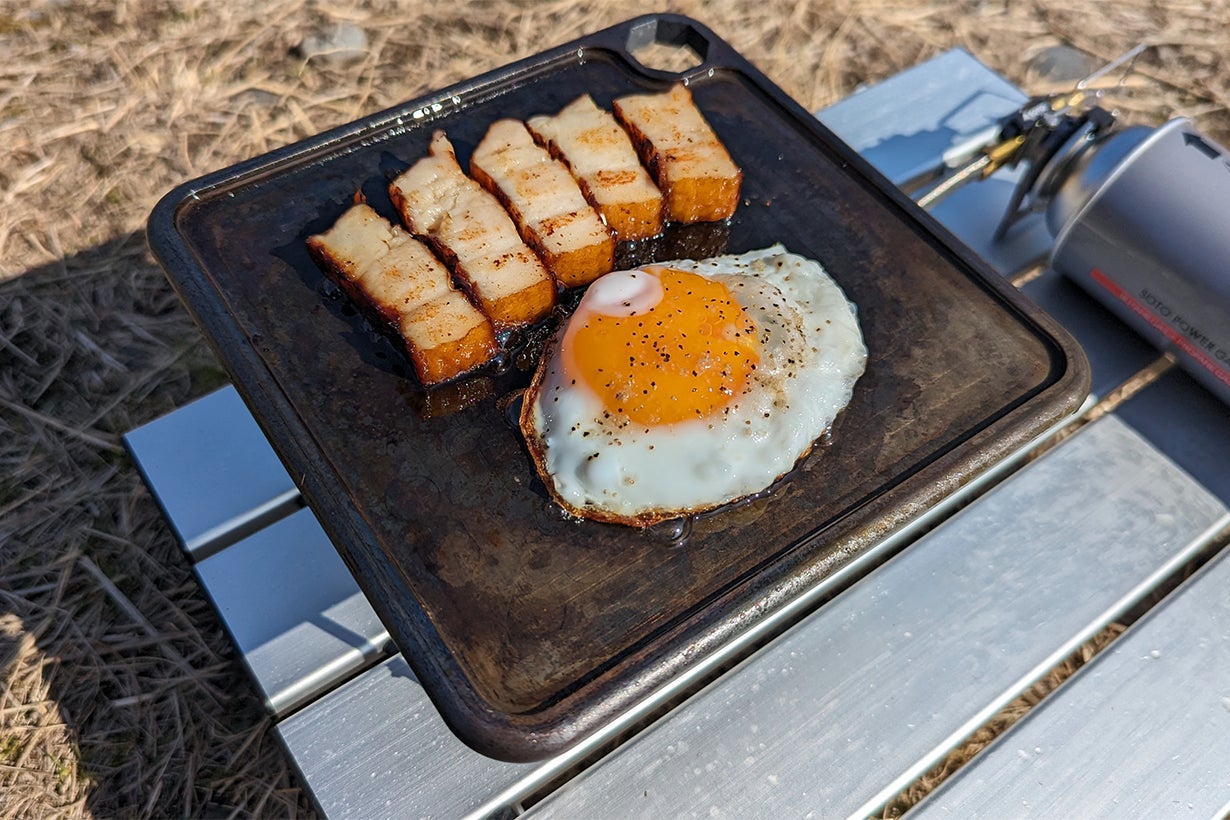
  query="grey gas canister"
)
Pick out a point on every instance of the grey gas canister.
point(1141, 220)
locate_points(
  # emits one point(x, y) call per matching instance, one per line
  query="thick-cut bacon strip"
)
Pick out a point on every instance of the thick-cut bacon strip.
point(601, 157)
point(679, 147)
point(401, 286)
point(470, 230)
point(545, 202)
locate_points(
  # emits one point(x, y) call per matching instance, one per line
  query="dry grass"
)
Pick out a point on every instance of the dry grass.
point(120, 695)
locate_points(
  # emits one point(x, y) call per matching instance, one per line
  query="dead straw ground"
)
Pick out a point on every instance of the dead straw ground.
point(119, 694)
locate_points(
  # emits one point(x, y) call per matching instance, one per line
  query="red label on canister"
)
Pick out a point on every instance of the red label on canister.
point(1159, 324)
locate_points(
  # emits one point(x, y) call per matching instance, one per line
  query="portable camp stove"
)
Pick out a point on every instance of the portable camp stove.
point(1137, 213)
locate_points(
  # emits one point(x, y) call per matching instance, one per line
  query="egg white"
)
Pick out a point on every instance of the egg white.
point(602, 467)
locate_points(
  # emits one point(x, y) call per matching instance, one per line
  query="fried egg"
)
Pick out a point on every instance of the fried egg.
point(682, 386)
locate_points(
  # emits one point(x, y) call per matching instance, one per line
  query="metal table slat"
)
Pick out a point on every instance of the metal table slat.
point(848, 708)
point(1187, 423)
point(376, 747)
point(294, 611)
point(1142, 731)
point(213, 472)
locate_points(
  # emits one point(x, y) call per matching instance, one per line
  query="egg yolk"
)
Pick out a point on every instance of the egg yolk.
point(683, 358)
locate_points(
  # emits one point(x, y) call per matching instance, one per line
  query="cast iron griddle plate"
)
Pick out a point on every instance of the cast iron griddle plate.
point(528, 630)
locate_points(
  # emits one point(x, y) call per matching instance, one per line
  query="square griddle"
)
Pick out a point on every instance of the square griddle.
point(528, 630)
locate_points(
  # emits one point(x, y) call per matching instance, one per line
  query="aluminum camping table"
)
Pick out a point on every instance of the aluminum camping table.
point(858, 695)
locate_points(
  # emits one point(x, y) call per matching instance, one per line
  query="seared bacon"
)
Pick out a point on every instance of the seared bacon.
point(600, 156)
point(403, 288)
point(679, 147)
point(470, 230)
point(545, 202)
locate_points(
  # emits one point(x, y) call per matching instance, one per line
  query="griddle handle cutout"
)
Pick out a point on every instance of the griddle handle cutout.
point(667, 45)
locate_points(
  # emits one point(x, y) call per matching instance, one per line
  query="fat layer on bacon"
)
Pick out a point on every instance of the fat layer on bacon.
point(601, 157)
point(545, 202)
point(690, 164)
point(470, 230)
point(397, 281)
